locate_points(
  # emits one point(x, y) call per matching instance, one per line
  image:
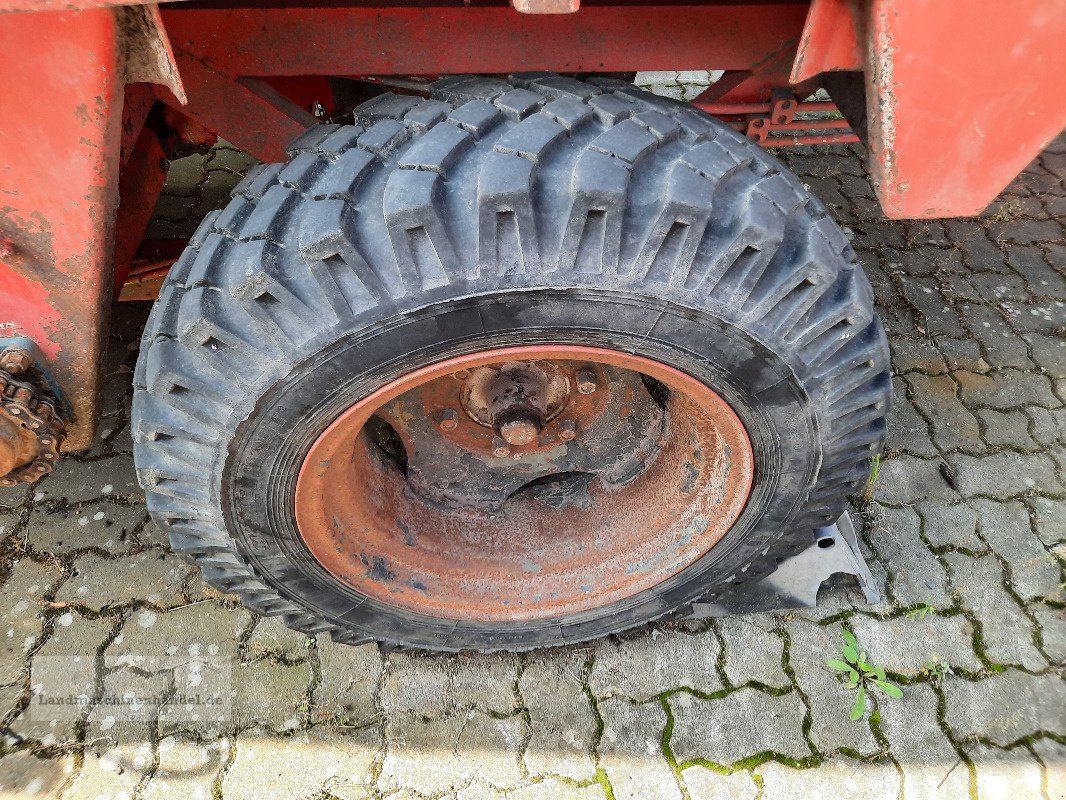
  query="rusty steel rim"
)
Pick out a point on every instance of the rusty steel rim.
point(564, 542)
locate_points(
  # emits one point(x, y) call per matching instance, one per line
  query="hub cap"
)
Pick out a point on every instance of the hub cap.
point(523, 483)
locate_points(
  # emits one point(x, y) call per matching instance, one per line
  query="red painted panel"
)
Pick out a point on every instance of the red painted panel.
point(431, 40)
point(960, 98)
point(60, 106)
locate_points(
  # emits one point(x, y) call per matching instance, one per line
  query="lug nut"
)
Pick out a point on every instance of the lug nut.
point(449, 420)
point(586, 381)
point(568, 430)
point(15, 361)
point(519, 427)
point(500, 448)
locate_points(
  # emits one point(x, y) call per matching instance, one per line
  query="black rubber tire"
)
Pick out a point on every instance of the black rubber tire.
point(536, 209)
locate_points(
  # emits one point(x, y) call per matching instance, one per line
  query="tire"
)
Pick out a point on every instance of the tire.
point(538, 208)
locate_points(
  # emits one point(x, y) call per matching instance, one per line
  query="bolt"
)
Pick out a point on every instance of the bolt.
point(568, 430)
point(519, 427)
point(586, 381)
point(500, 448)
point(449, 420)
point(14, 361)
point(461, 375)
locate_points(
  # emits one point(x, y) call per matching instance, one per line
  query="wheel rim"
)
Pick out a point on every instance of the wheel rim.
point(480, 488)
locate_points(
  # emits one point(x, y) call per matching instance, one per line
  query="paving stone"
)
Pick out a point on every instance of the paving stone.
point(916, 354)
point(906, 479)
point(1052, 622)
point(705, 784)
point(1006, 632)
point(81, 481)
point(908, 432)
point(64, 666)
point(1010, 429)
point(950, 525)
point(937, 317)
point(836, 779)
point(24, 776)
point(271, 638)
point(1047, 316)
point(1049, 427)
point(993, 287)
point(631, 751)
point(1049, 518)
point(907, 644)
point(304, 764)
point(1006, 474)
point(964, 355)
point(152, 576)
point(187, 769)
point(955, 428)
point(1002, 345)
point(21, 621)
point(553, 789)
point(1005, 707)
point(1049, 352)
point(1053, 756)
point(752, 650)
point(741, 724)
point(811, 645)
point(348, 683)
point(645, 665)
point(438, 685)
point(920, 747)
point(1006, 528)
point(1006, 389)
point(1026, 231)
point(562, 721)
point(104, 526)
point(440, 755)
point(915, 574)
point(271, 695)
point(198, 645)
point(1006, 774)
point(111, 771)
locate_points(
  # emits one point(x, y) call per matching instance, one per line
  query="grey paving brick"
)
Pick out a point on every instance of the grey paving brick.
point(908, 431)
point(1053, 756)
point(920, 747)
point(102, 525)
point(1006, 773)
point(1006, 633)
point(349, 679)
point(705, 784)
point(1005, 707)
point(906, 479)
point(1049, 519)
point(1006, 389)
point(631, 751)
point(916, 354)
point(26, 776)
point(836, 779)
point(1006, 474)
point(22, 607)
point(464, 746)
point(271, 695)
point(151, 576)
point(305, 764)
point(1007, 428)
point(1052, 622)
point(643, 666)
point(908, 644)
point(562, 721)
point(271, 639)
point(752, 650)
point(811, 645)
point(186, 768)
point(950, 525)
point(915, 574)
point(742, 724)
point(955, 426)
point(1006, 527)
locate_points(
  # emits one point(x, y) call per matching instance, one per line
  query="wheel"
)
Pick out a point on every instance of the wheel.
point(524, 364)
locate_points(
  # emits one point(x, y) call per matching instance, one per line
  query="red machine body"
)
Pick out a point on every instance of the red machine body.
point(951, 99)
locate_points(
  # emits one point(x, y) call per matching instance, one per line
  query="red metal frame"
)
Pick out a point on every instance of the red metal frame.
point(959, 97)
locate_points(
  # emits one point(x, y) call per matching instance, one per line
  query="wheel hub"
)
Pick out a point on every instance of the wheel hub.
point(522, 483)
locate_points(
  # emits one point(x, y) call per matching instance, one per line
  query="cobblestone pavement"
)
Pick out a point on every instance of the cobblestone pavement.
point(966, 530)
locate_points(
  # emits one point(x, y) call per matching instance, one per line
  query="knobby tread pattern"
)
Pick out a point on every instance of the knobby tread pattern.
point(536, 181)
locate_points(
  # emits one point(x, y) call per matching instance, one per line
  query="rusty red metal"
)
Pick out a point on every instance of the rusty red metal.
point(60, 136)
point(530, 559)
point(140, 183)
point(960, 98)
point(831, 41)
point(776, 124)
